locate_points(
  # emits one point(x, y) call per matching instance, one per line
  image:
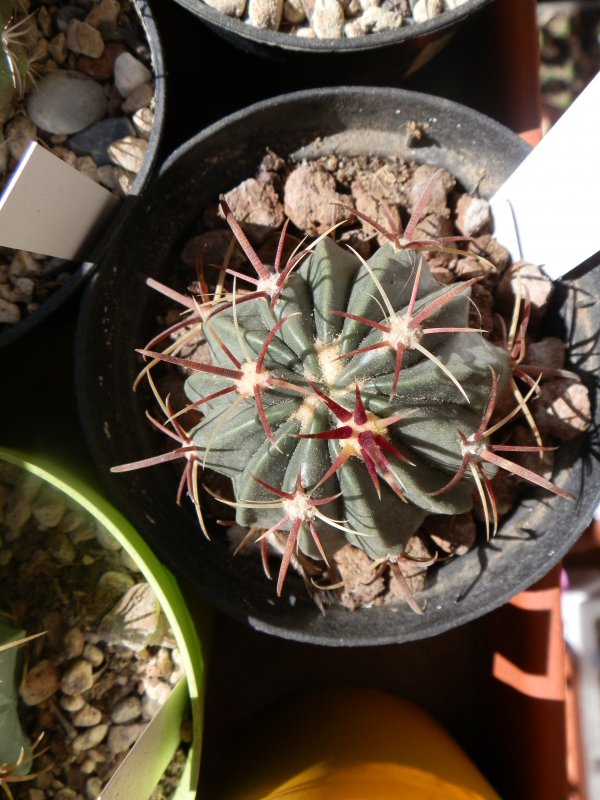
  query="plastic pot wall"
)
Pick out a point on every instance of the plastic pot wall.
point(399, 52)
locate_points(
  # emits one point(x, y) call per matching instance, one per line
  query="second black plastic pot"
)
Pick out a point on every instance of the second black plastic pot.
point(80, 272)
point(119, 315)
point(396, 52)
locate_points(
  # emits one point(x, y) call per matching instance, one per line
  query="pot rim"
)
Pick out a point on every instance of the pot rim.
point(278, 41)
point(397, 94)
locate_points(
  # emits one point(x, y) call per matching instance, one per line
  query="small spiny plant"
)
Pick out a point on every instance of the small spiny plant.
point(15, 61)
point(16, 752)
point(345, 399)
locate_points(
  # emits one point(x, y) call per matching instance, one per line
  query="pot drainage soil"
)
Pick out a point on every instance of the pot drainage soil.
point(310, 194)
point(90, 101)
point(107, 660)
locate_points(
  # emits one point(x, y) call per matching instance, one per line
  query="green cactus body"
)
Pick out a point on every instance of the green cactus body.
point(12, 739)
point(375, 498)
point(15, 65)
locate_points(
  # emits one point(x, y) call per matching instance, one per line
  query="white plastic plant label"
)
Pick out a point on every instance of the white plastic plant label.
point(51, 208)
point(140, 771)
point(548, 211)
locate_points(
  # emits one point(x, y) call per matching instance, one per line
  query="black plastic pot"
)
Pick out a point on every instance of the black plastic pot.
point(82, 271)
point(118, 315)
point(399, 52)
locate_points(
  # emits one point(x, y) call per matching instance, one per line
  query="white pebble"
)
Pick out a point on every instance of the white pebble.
point(127, 710)
point(39, 683)
point(353, 28)
point(472, 214)
point(49, 506)
point(424, 10)
point(20, 131)
point(93, 787)
point(78, 678)
point(121, 737)
point(139, 98)
point(72, 703)
point(293, 11)
point(104, 537)
point(73, 642)
point(105, 13)
point(328, 19)
point(158, 691)
point(89, 738)
point(233, 8)
point(84, 39)
point(23, 292)
point(265, 13)
point(87, 166)
point(377, 19)
point(93, 654)
point(87, 717)
point(143, 120)
point(67, 794)
point(128, 153)
point(129, 74)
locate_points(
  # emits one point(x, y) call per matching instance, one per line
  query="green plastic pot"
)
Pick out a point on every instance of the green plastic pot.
point(158, 743)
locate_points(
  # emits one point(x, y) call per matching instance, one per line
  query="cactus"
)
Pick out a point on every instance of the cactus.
point(345, 399)
point(12, 738)
point(15, 63)
point(13, 741)
point(16, 751)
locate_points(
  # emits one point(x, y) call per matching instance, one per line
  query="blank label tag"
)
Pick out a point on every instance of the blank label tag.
point(51, 208)
point(547, 212)
point(140, 772)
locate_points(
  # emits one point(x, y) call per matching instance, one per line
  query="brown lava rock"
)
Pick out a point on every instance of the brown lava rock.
point(361, 586)
point(311, 199)
point(563, 409)
point(256, 206)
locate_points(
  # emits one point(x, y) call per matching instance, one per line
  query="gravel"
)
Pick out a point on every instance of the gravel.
point(108, 660)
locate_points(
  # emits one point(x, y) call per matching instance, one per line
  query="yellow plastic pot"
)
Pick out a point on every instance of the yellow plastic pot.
point(355, 744)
